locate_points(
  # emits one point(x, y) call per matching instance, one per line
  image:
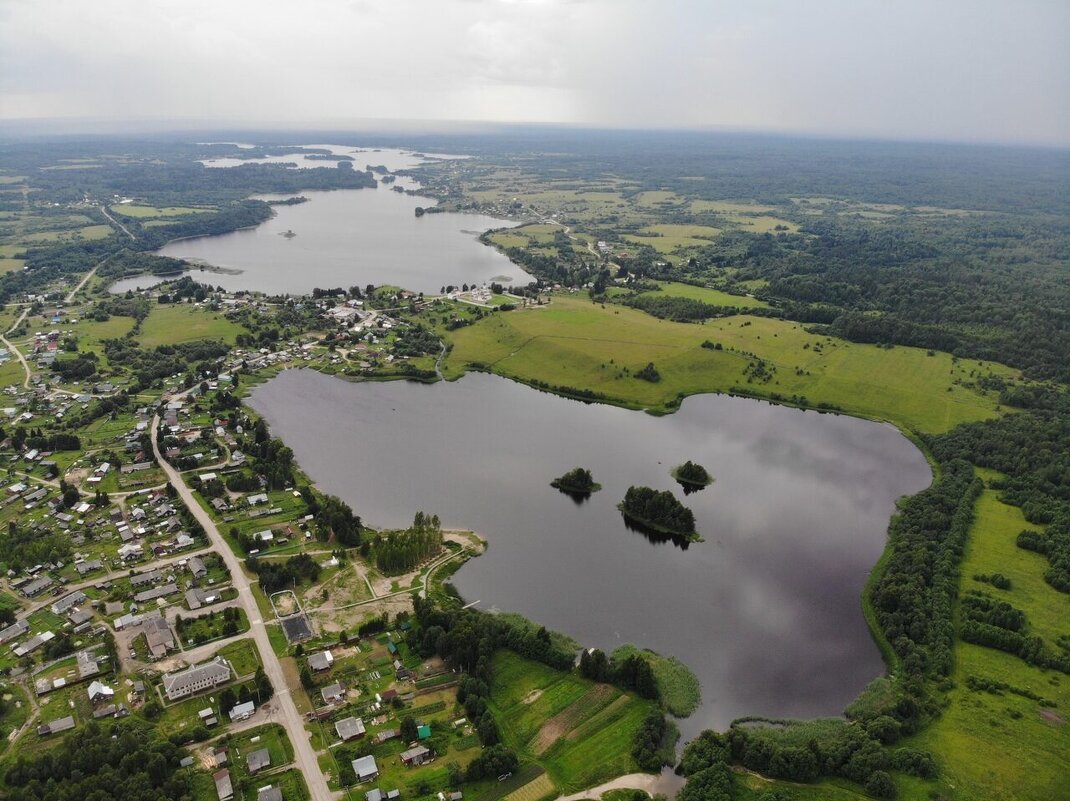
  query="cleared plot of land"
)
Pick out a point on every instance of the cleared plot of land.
point(579, 344)
point(712, 296)
point(88, 232)
point(1003, 746)
point(656, 197)
point(580, 732)
point(539, 236)
point(669, 237)
point(91, 333)
point(177, 323)
point(729, 207)
point(154, 211)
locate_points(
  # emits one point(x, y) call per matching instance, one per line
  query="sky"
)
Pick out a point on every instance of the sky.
point(958, 70)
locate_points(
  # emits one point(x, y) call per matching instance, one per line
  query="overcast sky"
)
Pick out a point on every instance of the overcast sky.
point(974, 70)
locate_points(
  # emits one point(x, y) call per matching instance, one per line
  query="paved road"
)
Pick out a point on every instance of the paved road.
point(288, 716)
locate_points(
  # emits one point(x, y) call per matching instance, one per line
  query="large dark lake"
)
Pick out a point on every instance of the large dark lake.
point(350, 237)
point(766, 611)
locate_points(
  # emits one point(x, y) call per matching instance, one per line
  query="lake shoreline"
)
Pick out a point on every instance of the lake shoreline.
point(503, 538)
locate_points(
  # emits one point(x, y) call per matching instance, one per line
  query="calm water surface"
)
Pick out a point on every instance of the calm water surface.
point(353, 237)
point(766, 611)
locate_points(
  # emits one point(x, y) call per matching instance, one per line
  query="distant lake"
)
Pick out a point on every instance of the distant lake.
point(353, 237)
point(767, 611)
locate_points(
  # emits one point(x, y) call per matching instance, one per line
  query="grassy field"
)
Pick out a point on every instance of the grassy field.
point(91, 334)
point(576, 343)
point(579, 731)
point(242, 657)
point(999, 747)
point(672, 289)
point(668, 237)
point(677, 685)
point(142, 212)
point(524, 235)
point(174, 324)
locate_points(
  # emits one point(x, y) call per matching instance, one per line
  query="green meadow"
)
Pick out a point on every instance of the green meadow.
point(143, 212)
point(1002, 746)
point(173, 324)
point(583, 345)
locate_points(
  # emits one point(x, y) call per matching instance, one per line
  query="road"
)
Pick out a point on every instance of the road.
point(16, 351)
point(104, 211)
point(109, 574)
point(664, 783)
point(288, 716)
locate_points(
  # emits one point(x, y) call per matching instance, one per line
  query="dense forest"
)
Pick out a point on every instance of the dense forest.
point(102, 761)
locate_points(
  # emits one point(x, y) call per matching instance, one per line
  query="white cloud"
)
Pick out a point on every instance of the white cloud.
point(960, 69)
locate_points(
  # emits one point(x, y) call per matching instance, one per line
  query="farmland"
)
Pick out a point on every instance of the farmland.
point(579, 731)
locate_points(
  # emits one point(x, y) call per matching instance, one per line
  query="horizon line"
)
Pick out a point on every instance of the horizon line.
point(39, 127)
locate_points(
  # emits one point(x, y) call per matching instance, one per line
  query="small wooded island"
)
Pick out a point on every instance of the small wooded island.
point(692, 476)
point(577, 481)
point(658, 511)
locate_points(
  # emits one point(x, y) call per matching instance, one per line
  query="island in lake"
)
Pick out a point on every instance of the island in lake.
point(658, 511)
point(691, 476)
point(577, 481)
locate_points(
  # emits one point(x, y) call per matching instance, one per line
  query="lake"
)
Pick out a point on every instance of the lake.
point(766, 611)
point(352, 237)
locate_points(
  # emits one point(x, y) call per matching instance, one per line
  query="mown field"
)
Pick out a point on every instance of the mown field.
point(580, 732)
point(584, 345)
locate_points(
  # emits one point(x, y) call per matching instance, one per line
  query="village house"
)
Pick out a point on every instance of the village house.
point(349, 728)
point(333, 693)
point(242, 711)
point(416, 756)
point(365, 769)
point(99, 692)
point(158, 637)
point(257, 761)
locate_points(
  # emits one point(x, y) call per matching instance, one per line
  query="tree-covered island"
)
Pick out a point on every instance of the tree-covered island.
point(692, 476)
point(577, 481)
point(659, 511)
